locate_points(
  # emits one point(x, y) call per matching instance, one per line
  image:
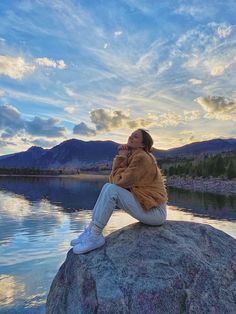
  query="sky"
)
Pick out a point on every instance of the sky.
point(98, 70)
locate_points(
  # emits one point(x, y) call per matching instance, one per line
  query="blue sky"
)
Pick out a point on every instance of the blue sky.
point(97, 70)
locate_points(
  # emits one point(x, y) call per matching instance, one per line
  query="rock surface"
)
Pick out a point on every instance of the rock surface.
point(179, 267)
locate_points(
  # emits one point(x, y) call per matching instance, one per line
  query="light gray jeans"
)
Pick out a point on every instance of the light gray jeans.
point(112, 196)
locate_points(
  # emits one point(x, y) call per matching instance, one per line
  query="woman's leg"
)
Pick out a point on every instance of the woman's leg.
point(113, 196)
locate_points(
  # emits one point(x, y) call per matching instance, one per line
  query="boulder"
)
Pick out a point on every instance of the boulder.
point(179, 267)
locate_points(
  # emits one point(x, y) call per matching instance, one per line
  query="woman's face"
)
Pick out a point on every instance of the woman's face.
point(135, 140)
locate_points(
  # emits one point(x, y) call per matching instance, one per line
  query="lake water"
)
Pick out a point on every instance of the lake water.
point(39, 216)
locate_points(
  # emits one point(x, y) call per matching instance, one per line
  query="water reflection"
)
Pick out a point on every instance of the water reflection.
point(70, 193)
point(74, 194)
point(39, 217)
point(204, 204)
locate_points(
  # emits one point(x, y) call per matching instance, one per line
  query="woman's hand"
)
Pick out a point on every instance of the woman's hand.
point(123, 150)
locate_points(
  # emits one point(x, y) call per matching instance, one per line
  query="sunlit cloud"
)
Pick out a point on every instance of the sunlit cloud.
point(43, 142)
point(15, 67)
point(218, 107)
point(224, 31)
point(108, 120)
point(69, 109)
point(195, 81)
point(60, 64)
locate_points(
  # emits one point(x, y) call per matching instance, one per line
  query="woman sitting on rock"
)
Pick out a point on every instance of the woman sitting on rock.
point(136, 185)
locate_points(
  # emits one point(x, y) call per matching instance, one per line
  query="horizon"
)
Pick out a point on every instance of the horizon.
point(116, 143)
point(98, 71)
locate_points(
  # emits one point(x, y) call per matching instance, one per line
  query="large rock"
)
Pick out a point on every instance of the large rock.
point(180, 267)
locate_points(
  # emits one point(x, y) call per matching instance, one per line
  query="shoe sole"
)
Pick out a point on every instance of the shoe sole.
point(88, 249)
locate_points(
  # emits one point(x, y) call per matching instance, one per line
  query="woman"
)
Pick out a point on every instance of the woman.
point(136, 185)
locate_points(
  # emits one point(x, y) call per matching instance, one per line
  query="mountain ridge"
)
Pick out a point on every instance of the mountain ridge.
point(75, 153)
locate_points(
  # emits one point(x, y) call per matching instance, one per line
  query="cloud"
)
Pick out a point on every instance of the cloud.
point(2, 92)
point(44, 143)
point(205, 49)
point(195, 81)
point(118, 33)
point(108, 120)
point(224, 31)
point(164, 67)
point(15, 67)
point(46, 127)
point(10, 121)
point(219, 69)
point(83, 129)
point(170, 118)
point(189, 10)
point(5, 143)
point(191, 115)
point(60, 64)
point(218, 107)
point(69, 109)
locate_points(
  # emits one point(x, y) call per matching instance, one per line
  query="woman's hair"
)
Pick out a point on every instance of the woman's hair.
point(147, 141)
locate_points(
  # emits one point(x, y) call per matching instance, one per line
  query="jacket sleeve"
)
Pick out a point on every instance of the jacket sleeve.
point(118, 166)
point(129, 176)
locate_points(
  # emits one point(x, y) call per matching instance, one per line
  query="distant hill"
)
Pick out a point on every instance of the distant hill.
point(75, 153)
point(205, 147)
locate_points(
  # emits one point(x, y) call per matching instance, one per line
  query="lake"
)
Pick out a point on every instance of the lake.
point(40, 215)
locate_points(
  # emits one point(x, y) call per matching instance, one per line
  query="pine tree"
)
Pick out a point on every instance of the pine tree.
point(231, 171)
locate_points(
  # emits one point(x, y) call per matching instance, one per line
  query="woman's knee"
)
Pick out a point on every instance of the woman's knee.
point(109, 187)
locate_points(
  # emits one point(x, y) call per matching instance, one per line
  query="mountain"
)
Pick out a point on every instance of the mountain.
point(205, 147)
point(75, 153)
point(69, 154)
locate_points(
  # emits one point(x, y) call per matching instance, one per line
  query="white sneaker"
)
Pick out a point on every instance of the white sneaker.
point(81, 237)
point(91, 242)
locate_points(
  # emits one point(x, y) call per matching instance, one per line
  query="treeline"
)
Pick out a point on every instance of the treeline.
point(35, 171)
point(221, 165)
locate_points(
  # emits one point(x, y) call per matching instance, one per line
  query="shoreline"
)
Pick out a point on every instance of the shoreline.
point(199, 184)
point(71, 176)
point(211, 185)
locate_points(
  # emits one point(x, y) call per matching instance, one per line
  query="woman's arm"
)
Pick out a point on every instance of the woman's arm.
point(130, 176)
point(119, 164)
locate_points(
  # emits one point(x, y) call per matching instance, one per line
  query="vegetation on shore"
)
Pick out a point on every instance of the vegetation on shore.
point(221, 165)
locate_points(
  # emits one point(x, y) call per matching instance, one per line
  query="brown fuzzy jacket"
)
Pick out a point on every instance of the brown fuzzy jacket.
point(140, 174)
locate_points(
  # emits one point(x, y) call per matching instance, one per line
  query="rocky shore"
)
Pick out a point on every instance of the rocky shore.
point(213, 185)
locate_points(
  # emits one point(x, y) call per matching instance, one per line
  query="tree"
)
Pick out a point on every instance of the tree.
point(231, 172)
point(219, 168)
